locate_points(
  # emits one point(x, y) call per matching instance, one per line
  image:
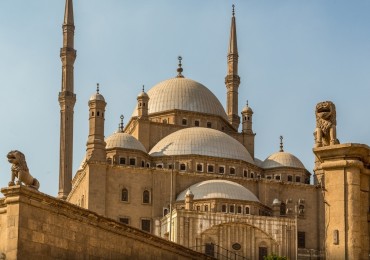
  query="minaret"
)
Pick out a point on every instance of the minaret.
point(247, 123)
point(232, 80)
point(95, 147)
point(247, 129)
point(67, 100)
point(142, 104)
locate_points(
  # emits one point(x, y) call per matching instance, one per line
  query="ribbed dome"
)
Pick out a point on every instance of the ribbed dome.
point(183, 94)
point(218, 189)
point(201, 141)
point(124, 140)
point(282, 159)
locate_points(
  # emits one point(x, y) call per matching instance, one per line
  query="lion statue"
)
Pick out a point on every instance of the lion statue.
point(20, 170)
point(326, 123)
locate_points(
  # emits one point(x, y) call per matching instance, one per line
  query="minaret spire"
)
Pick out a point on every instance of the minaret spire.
point(68, 14)
point(67, 100)
point(232, 80)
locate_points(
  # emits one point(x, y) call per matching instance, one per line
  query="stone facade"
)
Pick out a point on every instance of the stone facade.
point(36, 226)
point(343, 172)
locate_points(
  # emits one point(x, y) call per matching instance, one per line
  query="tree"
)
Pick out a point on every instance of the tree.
point(275, 257)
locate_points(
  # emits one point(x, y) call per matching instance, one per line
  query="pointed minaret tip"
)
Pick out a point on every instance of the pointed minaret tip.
point(233, 46)
point(68, 14)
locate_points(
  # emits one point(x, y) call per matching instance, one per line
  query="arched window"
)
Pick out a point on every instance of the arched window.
point(196, 123)
point(206, 208)
point(282, 209)
point(165, 211)
point(232, 209)
point(245, 173)
point(184, 121)
point(146, 197)
point(232, 170)
point(239, 210)
point(124, 195)
point(209, 124)
point(223, 208)
point(247, 210)
point(142, 164)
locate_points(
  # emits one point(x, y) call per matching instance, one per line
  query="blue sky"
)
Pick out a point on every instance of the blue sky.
point(292, 54)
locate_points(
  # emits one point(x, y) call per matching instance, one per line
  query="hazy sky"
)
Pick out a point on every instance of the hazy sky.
point(292, 54)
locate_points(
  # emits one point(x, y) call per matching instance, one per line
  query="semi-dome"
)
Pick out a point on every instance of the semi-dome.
point(218, 189)
point(183, 94)
point(201, 141)
point(282, 159)
point(124, 140)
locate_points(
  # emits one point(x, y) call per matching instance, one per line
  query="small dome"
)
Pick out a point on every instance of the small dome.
point(124, 140)
point(183, 94)
point(201, 141)
point(219, 189)
point(247, 110)
point(142, 94)
point(97, 96)
point(189, 193)
point(282, 159)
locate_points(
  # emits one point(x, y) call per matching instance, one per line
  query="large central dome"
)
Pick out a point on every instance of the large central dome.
point(201, 141)
point(183, 94)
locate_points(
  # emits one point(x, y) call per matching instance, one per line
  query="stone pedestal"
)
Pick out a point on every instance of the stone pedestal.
point(344, 175)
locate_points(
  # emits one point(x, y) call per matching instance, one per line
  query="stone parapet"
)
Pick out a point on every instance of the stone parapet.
point(36, 225)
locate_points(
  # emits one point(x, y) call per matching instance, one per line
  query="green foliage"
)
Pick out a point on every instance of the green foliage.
point(275, 257)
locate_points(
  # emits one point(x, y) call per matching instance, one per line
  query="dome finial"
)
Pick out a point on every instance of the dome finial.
point(281, 144)
point(120, 125)
point(97, 88)
point(179, 69)
point(233, 10)
point(247, 104)
point(143, 88)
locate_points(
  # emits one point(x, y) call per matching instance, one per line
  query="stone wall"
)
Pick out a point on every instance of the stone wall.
point(34, 225)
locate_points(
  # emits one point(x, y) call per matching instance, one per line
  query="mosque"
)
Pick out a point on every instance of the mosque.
point(181, 169)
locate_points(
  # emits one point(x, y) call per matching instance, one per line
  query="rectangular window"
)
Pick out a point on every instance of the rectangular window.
point(210, 168)
point(124, 220)
point(122, 160)
point(268, 177)
point(297, 179)
point(132, 161)
point(221, 169)
point(277, 177)
point(199, 167)
point(146, 225)
point(210, 249)
point(301, 239)
point(223, 208)
point(182, 167)
point(290, 178)
point(170, 166)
